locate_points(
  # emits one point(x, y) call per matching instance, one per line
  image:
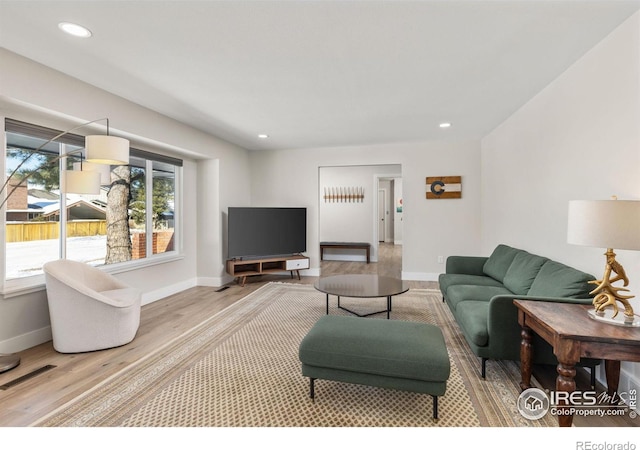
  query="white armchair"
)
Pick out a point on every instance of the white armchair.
point(89, 309)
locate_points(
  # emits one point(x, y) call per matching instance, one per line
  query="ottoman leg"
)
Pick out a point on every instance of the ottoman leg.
point(312, 388)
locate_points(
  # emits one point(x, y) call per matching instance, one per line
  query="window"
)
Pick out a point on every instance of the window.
point(133, 218)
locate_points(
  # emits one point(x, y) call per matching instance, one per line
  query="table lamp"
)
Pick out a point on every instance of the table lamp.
point(610, 224)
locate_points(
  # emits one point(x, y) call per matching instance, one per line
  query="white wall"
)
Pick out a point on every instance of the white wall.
point(430, 227)
point(578, 139)
point(32, 92)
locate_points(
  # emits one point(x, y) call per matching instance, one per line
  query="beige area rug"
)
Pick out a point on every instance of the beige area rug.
point(240, 368)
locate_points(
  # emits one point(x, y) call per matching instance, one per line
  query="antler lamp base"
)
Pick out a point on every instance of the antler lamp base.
point(607, 316)
point(607, 296)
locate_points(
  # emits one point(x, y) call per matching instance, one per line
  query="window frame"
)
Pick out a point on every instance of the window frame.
point(34, 283)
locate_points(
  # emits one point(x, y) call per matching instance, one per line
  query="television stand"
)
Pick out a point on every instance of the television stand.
point(240, 269)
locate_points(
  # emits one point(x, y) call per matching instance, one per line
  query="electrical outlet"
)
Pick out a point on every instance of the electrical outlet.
point(440, 259)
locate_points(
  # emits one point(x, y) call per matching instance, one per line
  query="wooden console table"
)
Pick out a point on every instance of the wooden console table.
point(574, 335)
point(348, 245)
point(243, 268)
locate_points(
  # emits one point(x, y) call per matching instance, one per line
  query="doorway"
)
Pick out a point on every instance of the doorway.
point(382, 210)
point(355, 221)
point(388, 217)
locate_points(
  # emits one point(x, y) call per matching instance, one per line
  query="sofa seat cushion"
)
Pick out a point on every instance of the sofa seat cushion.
point(522, 271)
point(446, 280)
point(472, 318)
point(464, 292)
point(558, 280)
point(498, 263)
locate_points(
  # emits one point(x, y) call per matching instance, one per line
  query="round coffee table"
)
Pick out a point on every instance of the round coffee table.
point(362, 286)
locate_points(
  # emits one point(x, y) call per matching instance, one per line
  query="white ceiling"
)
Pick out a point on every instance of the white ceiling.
point(318, 73)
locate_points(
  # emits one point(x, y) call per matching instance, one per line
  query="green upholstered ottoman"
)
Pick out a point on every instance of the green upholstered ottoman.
point(383, 353)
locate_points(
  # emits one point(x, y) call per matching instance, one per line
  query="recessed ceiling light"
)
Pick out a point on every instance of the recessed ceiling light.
point(445, 125)
point(263, 136)
point(74, 29)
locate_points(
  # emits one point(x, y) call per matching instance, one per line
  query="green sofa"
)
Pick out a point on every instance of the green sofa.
point(480, 292)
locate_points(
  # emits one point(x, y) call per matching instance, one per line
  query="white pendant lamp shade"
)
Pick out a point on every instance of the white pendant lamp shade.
point(103, 149)
point(82, 182)
point(103, 169)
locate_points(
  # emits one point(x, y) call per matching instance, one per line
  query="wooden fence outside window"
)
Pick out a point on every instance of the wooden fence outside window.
point(38, 231)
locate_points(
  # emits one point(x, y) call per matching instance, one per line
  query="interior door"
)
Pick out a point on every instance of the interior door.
point(381, 212)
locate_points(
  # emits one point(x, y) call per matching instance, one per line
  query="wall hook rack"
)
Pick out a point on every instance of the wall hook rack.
point(341, 194)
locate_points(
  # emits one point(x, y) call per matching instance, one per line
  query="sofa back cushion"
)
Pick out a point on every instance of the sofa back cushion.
point(498, 263)
point(558, 280)
point(522, 272)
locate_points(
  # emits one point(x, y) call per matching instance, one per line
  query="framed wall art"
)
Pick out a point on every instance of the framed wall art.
point(444, 187)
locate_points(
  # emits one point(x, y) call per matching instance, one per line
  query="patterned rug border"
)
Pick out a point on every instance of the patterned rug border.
point(501, 376)
point(241, 303)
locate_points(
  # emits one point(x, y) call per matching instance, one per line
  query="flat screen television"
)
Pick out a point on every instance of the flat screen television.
point(266, 231)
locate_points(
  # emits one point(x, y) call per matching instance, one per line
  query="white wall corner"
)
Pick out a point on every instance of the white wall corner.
point(214, 281)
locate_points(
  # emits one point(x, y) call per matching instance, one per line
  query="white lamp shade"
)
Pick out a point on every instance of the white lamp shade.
point(103, 169)
point(607, 224)
point(104, 149)
point(82, 182)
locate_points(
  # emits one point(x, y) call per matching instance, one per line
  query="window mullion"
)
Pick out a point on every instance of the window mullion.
point(177, 208)
point(63, 204)
point(148, 200)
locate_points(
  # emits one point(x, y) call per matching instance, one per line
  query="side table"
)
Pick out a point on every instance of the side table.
point(574, 335)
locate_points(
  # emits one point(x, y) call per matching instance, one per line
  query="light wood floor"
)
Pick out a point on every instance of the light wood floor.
point(162, 321)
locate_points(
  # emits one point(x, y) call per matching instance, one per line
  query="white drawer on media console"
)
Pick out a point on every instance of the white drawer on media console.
point(295, 264)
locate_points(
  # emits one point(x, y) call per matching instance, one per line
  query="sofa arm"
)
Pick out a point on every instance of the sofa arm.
point(468, 265)
point(582, 301)
point(503, 314)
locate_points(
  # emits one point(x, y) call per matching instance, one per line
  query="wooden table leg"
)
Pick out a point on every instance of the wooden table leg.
point(565, 382)
point(612, 371)
point(526, 356)
point(568, 353)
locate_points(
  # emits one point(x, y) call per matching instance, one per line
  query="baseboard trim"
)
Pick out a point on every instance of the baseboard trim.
point(159, 294)
point(27, 340)
point(214, 281)
point(419, 276)
point(312, 272)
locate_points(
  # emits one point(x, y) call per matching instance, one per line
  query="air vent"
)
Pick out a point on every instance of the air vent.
point(26, 377)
